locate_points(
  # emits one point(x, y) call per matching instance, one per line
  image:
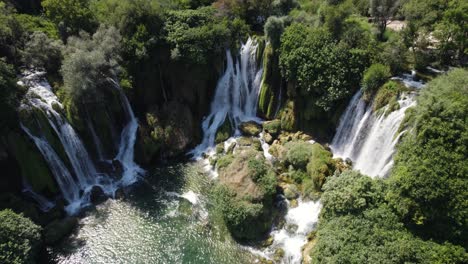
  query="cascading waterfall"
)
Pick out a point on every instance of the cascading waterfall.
point(369, 138)
point(236, 95)
point(77, 182)
point(127, 143)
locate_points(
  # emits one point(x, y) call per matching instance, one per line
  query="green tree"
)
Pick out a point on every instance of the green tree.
point(8, 95)
point(429, 180)
point(20, 238)
point(323, 71)
point(70, 16)
point(274, 27)
point(90, 61)
point(382, 11)
point(42, 52)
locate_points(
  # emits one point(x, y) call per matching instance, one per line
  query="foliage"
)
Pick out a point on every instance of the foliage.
point(374, 77)
point(70, 16)
point(388, 93)
point(195, 35)
point(357, 226)
point(31, 24)
point(323, 71)
point(20, 238)
point(10, 33)
point(90, 61)
point(42, 52)
point(298, 154)
point(429, 181)
point(8, 95)
point(382, 11)
point(274, 27)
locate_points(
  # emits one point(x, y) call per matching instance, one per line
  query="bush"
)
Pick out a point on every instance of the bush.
point(8, 96)
point(388, 93)
point(298, 154)
point(42, 52)
point(20, 238)
point(430, 177)
point(90, 61)
point(374, 77)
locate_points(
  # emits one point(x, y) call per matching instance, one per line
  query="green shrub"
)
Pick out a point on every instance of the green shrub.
point(20, 238)
point(429, 180)
point(387, 93)
point(374, 77)
point(224, 161)
point(298, 154)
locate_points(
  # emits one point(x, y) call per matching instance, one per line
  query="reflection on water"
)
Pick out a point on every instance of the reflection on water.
point(159, 221)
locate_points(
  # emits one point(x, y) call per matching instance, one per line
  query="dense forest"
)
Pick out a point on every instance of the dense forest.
point(235, 131)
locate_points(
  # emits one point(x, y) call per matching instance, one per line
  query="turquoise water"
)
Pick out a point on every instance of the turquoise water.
point(153, 224)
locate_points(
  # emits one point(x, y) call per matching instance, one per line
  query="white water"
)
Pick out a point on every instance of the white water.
point(43, 203)
point(127, 144)
point(76, 183)
point(235, 97)
point(369, 138)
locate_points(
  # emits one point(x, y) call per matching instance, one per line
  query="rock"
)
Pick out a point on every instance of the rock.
point(230, 148)
point(272, 127)
point(293, 203)
point(279, 254)
point(268, 138)
point(349, 162)
point(97, 194)
point(250, 142)
point(117, 166)
point(291, 192)
point(268, 242)
point(59, 229)
point(119, 194)
point(250, 128)
point(220, 148)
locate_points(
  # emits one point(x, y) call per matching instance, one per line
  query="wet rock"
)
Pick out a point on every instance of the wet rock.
point(272, 127)
point(268, 138)
point(250, 142)
point(220, 148)
point(117, 167)
point(119, 194)
point(291, 192)
point(59, 229)
point(349, 162)
point(268, 242)
point(250, 128)
point(97, 195)
point(293, 203)
point(279, 254)
point(230, 148)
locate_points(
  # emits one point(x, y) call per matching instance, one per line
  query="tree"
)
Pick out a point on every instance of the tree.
point(8, 95)
point(430, 177)
point(323, 71)
point(20, 238)
point(42, 52)
point(274, 27)
point(90, 61)
point(70, 16)
point(382, 11)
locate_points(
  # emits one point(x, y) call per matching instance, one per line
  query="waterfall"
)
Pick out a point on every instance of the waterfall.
point(127, 143)
point(236, 95)
point(76, 182)
point(369, 138)
point(44, 204)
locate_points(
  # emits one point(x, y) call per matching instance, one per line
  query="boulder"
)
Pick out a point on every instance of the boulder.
point(250, 128)
point(97, 195)
point(59, 229)
point(291, 192)
point(272, 127)
point(268, 138)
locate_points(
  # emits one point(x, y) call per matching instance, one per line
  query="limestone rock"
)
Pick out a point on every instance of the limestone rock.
point(250, 128)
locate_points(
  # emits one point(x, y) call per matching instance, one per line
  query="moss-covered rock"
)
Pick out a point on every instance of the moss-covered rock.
point(249, 143)
point(288, 117)
point(32, 165)
point(271, 84)
point(250, 128)
point(224, 132)
point(245, 194)
point(388, 95)
point(272, 127)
